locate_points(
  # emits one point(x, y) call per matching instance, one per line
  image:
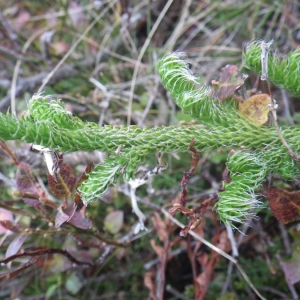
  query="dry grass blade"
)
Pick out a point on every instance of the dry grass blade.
point(104, 11)
point(142, 52)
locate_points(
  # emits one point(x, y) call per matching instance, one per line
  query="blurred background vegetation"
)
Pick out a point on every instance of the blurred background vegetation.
point(109, 51)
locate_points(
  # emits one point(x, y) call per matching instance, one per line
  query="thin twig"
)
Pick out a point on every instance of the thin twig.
point(17, 68)
point(40, 252)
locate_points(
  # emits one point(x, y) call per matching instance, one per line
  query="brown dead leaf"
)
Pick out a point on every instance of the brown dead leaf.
point(160, 251)
point(256, 108)
point(284, 205)
point(160, 227)
point(231, 79)
point(223, 243)
point(65, 182)
point(149, 283)
point(10, 226)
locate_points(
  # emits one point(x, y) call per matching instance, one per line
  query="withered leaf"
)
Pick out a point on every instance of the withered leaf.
point(26, 183)
point(65, 182)
point(160, 251)
point(284, 205)
point(160, 227)
point(149, 282)
point(231, 79)
point(256, 108)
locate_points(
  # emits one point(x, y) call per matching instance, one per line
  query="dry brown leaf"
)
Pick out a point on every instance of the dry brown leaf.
point(256, 108)
point(284, 205)
point(160, 251)
point(231, 79)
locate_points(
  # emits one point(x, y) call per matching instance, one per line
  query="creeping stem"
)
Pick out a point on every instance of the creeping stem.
point(259, 151)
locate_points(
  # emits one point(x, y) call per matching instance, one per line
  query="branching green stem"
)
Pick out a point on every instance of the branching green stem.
point(284, 72)
point(259, 150)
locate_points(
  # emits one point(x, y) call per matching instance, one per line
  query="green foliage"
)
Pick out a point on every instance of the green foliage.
point(259, 150)
point(284, 72)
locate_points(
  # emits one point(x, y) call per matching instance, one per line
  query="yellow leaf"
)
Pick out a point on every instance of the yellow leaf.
point(256, 109)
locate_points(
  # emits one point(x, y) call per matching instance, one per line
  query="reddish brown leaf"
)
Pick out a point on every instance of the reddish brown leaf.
point(149, 283)
point(84, 257)
point(160, 251)
point(78, 201)
point(32, 202)
point(62, 217)
point(79, 220)
point(65, 182)
point(26, 183)
point(73, 217)
point(231, 79)
point(160, 227)
point(284, 205)
point(223, 241)
point(16, 244)
point(39, 206)
point(256, 108)
point(9, 225)
point(5, 215)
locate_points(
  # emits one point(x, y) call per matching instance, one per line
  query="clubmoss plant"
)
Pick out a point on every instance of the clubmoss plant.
point(258, 151)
